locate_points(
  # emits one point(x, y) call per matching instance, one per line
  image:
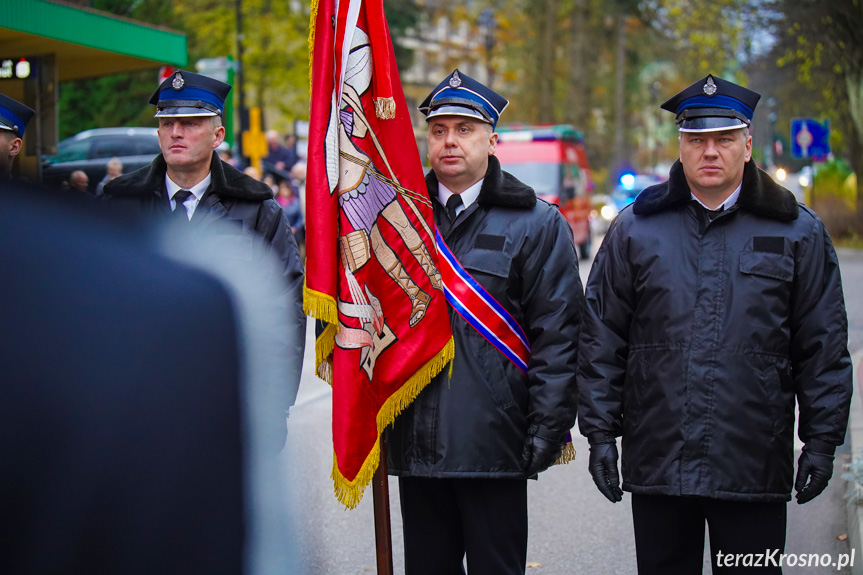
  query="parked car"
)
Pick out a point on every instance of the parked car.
point(604, 210)
point(630, 186)
point(90, 151)
point(606, 207)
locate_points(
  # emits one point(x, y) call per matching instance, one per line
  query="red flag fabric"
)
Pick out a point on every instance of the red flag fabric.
point(372, 271)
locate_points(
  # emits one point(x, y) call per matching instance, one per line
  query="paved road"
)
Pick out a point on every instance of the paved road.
point(573, 529)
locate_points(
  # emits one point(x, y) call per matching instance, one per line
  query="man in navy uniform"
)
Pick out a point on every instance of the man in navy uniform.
point(464, 449)
point(14, 117)
point(188, 183)
point(714, 306)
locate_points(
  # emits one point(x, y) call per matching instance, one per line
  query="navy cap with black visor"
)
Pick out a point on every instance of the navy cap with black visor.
point(712, 105)
point(14, 116)
point(186, 94)
point(461, 95)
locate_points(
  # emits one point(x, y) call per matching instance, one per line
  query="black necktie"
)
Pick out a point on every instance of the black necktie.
point(713, 213)
point(452, 204)
point(180, 210)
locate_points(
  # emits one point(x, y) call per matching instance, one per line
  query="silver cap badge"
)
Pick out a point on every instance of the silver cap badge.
point(178, 82)
point(710, 87)
point(455, 80)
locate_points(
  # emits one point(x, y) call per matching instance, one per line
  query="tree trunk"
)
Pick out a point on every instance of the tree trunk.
point(546, 58)
point(854, 84)
point(619, 152)
point(578, 108)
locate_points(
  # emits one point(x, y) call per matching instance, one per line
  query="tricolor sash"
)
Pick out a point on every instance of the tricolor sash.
point(479, 309)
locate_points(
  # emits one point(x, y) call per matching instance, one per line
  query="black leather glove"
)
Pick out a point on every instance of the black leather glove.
point(814, 470)
point(540, 451)
point(603, 469)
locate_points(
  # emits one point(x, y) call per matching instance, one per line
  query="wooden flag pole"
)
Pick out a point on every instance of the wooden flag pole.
point(383, 533)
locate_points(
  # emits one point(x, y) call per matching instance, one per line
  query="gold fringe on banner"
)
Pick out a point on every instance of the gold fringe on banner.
point(568, 455)
point(350, 492)
point(385, 108)
point(320, 306)
point(325, 344)
point(313, 20)
point(323, 307)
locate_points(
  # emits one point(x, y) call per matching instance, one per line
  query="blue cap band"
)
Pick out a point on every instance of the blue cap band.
point(12, 120)
point(191, 93)
point(717, 101)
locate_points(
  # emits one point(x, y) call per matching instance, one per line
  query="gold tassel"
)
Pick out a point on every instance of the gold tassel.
point(325, 345)
point(385, 108)
point(349, 493)
point(568, 455)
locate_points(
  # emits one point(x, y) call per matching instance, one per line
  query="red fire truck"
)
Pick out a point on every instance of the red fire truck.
point(552, 160)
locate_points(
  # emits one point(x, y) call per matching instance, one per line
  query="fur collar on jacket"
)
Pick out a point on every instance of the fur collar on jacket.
point(759, 194)
point(498, 188)
point(227, 181)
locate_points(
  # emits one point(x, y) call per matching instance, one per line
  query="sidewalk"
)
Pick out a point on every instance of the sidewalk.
point(855, 439)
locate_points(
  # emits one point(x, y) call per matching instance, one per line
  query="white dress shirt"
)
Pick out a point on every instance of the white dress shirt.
point(468, 196)
point(729, 201)
point(197, 190)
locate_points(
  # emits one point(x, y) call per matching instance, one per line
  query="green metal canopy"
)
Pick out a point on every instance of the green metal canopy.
point(86, 43)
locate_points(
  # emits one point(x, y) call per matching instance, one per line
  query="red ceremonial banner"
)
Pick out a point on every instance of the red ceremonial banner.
point(372, 272)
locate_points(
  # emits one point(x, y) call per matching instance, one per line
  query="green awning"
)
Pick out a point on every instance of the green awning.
point(87, 43)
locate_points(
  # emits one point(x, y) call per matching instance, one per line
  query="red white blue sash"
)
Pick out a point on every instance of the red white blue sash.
point(479, 309)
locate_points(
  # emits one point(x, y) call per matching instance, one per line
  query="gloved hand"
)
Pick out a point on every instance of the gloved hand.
point(814, 470)
point(603, 469)
point(540, 451)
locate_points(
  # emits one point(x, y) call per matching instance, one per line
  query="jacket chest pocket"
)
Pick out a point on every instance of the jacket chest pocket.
point(770, 265)
point(234, 240)
point(491, 269)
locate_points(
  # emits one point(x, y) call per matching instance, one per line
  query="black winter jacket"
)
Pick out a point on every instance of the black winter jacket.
point(474, 425)
point(231, 198)
point(700, 335)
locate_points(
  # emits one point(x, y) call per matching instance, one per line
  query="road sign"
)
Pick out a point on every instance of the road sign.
point(254, 141)
point(16, 68)
point(810, 139)
point(165, 73)
point(216, 68)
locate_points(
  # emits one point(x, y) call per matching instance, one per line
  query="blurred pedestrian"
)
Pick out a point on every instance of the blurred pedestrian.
point(291, 143)
point(79, 181)
point(715, 308)
point(189, 184)
point(279, 160)
point(464, 449)
point(270, 180)
point(114, 169)
point(227, 156)
point(252, 172)
point(14, 117)
point(290, 203)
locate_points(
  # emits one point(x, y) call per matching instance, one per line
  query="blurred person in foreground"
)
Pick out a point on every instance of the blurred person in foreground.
point(119, 410)
point(188, 183)
point(14, 117)
point(715, 308)
point(135, 413)
point(464, 449)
